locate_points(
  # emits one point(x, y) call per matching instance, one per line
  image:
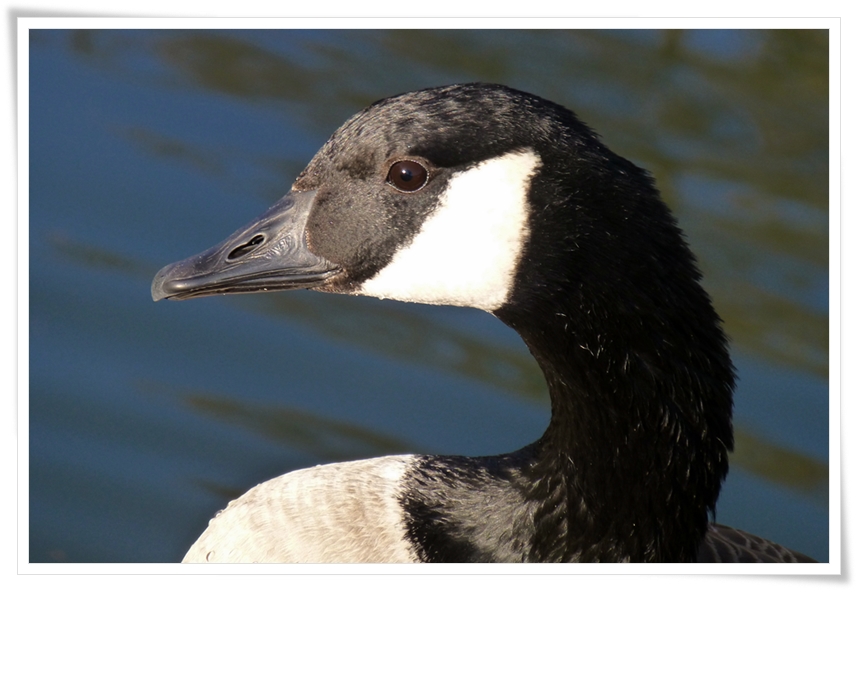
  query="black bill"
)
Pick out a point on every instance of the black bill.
point(269, 254)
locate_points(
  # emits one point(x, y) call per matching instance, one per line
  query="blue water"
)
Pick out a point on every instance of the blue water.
point(147, 146)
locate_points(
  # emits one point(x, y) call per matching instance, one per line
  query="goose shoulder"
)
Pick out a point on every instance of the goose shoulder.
point(723, 544)
point(336, 513)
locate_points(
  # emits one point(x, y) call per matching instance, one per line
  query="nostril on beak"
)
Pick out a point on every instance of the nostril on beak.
point(246, 248)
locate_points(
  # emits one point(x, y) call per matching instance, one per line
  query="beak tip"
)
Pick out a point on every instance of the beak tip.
point(157, 290)
point(161, 283)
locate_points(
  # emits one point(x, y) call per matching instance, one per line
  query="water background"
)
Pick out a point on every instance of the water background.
point(148, 146)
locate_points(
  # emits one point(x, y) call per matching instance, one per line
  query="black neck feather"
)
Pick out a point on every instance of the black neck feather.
point(638, 371)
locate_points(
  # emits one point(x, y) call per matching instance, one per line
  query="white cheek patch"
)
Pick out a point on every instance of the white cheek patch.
point(467, 250)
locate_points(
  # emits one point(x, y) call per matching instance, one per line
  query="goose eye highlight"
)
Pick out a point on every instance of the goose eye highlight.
point(407, 176)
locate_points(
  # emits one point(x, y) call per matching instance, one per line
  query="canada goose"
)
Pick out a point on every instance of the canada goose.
point(482, 196)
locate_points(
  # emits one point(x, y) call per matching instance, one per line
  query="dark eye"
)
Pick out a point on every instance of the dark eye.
point(407, 175)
